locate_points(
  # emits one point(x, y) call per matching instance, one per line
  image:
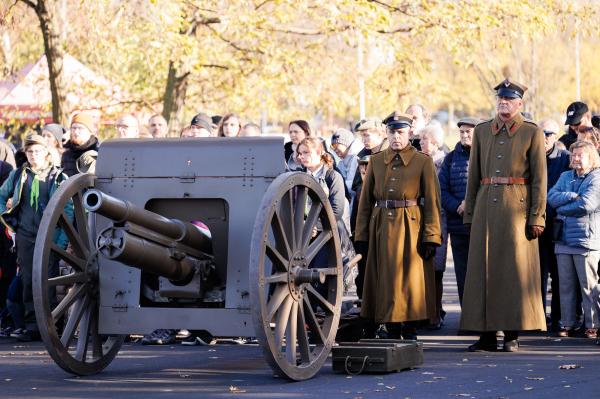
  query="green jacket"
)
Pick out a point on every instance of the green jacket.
point(13, 188)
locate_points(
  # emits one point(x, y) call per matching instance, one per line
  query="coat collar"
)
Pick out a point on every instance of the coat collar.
point(511, 126)
point(405, 155)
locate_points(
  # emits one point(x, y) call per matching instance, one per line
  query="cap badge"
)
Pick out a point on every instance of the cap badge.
point(570, 113)
point(506, 83)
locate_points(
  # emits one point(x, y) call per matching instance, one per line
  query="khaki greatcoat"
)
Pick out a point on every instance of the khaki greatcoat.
point(502, 287)
point(399, 285)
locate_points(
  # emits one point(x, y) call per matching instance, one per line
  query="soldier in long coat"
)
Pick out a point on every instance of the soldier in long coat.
point(399, 216)
point(505, 207)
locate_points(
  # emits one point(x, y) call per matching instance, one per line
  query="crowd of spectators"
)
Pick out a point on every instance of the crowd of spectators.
point(569, 247)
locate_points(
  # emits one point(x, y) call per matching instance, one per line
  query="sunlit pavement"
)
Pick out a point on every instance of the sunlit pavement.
point(231, 370)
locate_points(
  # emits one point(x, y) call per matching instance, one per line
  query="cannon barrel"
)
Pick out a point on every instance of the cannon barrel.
point(121, 211)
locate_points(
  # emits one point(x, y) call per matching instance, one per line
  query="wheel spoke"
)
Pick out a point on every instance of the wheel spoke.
point(281, 240)
point(74, 238)
point(97, 351)
point(311, 320)
point(69, 279)
point(310, 224)
point(317, 244)
point(74, 293)
point(277, 278)
point(299, 209)
point(81, 220)
point(281, 292)
point(70, 258)
point(290, 342)
point(74, 318)
point(283, 317)
point(286, 213)
point(82, 340)
point(276, 258)
point(322, 302)
point(305, 353)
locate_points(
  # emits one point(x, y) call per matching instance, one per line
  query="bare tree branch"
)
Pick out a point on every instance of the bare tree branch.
point(29, 3)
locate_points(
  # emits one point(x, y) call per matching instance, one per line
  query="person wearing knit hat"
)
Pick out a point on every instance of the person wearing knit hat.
point(81, 140)
point(53, 133)
point(201, 125)
point(28, 190)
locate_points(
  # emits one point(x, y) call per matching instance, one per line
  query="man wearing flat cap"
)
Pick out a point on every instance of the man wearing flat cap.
point(399, 217)
point(505, 208)
point(453, 186)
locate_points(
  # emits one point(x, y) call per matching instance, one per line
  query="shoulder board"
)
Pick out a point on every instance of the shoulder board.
point(421, 152)
point(485, 121)
point(530, 122)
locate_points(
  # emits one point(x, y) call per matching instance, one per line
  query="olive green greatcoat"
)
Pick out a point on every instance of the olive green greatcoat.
point(502, 287)
point(399, 285)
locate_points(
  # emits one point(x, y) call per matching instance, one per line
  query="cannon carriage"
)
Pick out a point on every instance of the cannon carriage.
point(136, 260)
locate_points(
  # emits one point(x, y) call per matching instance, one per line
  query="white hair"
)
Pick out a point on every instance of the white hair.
point(434, 131)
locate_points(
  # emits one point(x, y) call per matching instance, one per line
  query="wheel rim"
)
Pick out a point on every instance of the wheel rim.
point(287, 306)
point(69, 325)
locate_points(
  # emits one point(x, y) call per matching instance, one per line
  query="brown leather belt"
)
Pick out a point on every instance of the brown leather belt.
point(395, 203)
point(504, 180)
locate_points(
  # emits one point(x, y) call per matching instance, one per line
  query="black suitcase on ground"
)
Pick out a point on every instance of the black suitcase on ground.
point(376, 356)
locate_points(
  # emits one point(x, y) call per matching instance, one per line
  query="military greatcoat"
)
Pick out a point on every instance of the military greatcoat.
point(502, 288)
point(399, 285)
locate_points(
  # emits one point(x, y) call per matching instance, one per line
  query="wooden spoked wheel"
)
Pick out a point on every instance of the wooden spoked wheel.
point(65, 284)
point(295, 276)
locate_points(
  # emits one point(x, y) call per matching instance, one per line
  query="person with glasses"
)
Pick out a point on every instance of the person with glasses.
point(399, 220)
point(23, 197)
point(557, 162)
point(81, 141)
point(505, 209)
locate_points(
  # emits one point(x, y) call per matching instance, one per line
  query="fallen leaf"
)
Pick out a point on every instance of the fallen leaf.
point(569, 366)
point(233, 389)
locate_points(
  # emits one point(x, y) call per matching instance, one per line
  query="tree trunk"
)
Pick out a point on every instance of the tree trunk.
point(174, 98)
point(53, 49)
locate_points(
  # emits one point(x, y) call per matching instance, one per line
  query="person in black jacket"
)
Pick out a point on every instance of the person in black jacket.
point(82, 143)
point(557, 161)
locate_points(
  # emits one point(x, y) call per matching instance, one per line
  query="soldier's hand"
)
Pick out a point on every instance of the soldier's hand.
point(426, 250)
point(361, 247)
point(534, 232)
point(468, 226)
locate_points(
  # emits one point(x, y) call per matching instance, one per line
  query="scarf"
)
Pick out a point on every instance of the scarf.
point(34, 191)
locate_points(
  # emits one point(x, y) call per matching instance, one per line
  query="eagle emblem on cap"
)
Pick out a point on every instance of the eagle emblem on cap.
point(506, 83)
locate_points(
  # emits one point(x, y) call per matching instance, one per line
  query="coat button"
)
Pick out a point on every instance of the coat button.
point(502, 143)
point(394, 167)
point(393, 179)
point(389, 213)
point(391, 190)
point(495, 200)
point(497, 171)
point(499, 156)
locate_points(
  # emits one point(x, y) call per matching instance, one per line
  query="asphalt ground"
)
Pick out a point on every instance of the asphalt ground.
point(230, 370)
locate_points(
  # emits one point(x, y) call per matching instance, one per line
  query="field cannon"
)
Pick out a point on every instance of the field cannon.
point(137, 261)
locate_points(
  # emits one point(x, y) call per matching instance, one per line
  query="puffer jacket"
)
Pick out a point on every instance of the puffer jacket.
point(453, 185)
point(577, 202)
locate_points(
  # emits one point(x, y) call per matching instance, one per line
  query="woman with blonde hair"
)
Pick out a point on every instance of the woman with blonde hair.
point(576, 198)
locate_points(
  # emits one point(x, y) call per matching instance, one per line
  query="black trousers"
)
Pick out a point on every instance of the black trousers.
point(460, 252)
point(548, 267)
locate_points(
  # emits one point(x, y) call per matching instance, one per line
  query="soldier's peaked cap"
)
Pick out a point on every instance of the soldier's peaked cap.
point(397, 120)
point(510, 88)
